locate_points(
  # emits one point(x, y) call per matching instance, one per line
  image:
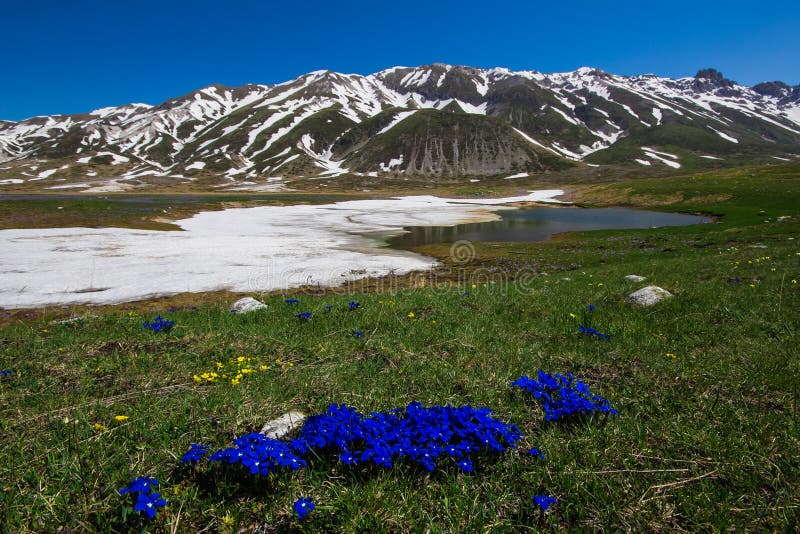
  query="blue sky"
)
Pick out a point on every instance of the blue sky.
point(62, 58)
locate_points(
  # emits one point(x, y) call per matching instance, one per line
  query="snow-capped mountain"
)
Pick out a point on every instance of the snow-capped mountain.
point(436, 121)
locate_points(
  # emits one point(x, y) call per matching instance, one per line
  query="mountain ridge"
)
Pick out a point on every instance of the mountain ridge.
point(438, 121)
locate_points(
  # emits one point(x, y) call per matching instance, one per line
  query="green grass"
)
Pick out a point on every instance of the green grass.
point(705, 441)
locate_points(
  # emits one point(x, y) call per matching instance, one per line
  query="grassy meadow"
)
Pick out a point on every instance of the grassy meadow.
point(706, 384)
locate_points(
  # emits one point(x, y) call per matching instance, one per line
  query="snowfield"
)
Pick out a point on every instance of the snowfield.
point(244, 249)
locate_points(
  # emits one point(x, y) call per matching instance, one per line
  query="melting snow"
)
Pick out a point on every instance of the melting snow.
point(481, 85)
point(116, 158)
point(394, 162)
point(648, 149)
point(397, 120)
point(665, 161)
point(657, 114)
point(244, 249)
point(724, 135)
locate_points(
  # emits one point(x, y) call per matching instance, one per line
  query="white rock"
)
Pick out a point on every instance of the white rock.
point(635, 278)
point(246, 305)
point(280, 427)
point(647, 296)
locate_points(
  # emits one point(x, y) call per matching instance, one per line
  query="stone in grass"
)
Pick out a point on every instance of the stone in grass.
point(647, 296)
point(635, 278)
point(283, 425)
point(247, 305)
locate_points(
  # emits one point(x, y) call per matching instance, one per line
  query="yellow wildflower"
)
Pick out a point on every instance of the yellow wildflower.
point(411, 315)
point(573, 315)
point(197, 378)
point(99, 427)
point(121, 418)
point(234, 381)
point(671, 355)
point(264, 367)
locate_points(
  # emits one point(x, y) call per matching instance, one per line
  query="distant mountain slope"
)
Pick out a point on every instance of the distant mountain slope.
point(437, 121)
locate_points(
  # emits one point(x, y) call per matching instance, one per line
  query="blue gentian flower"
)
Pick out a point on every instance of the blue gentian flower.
point(563, 396)
point(147, 500)
point(147, 503)
point(303, 315)
point(195, 453)
point(358, 333)
point(5, 373)
point(303, 507)
point(139, 485)
point(328, 308)
point(590, 307)
point(593, 332)
point(536, 453)
point(465, 464)
point(159, 324)
point(353, 305)
point(291, 301)
point(543, 501)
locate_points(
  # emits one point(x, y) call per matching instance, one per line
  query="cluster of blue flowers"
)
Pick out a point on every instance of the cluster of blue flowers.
point(195, 453)
point(421, 435)
point(564, 396)
point(260, 454)
point(589, 331)
point(353, 305)
point(303, 315)
point(358, 333)
point(159, 324)
point(147, 500)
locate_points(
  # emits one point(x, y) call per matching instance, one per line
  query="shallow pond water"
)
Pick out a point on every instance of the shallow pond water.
point(540, 224)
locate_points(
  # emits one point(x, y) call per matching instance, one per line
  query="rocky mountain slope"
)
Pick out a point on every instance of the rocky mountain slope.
point(436, 122)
